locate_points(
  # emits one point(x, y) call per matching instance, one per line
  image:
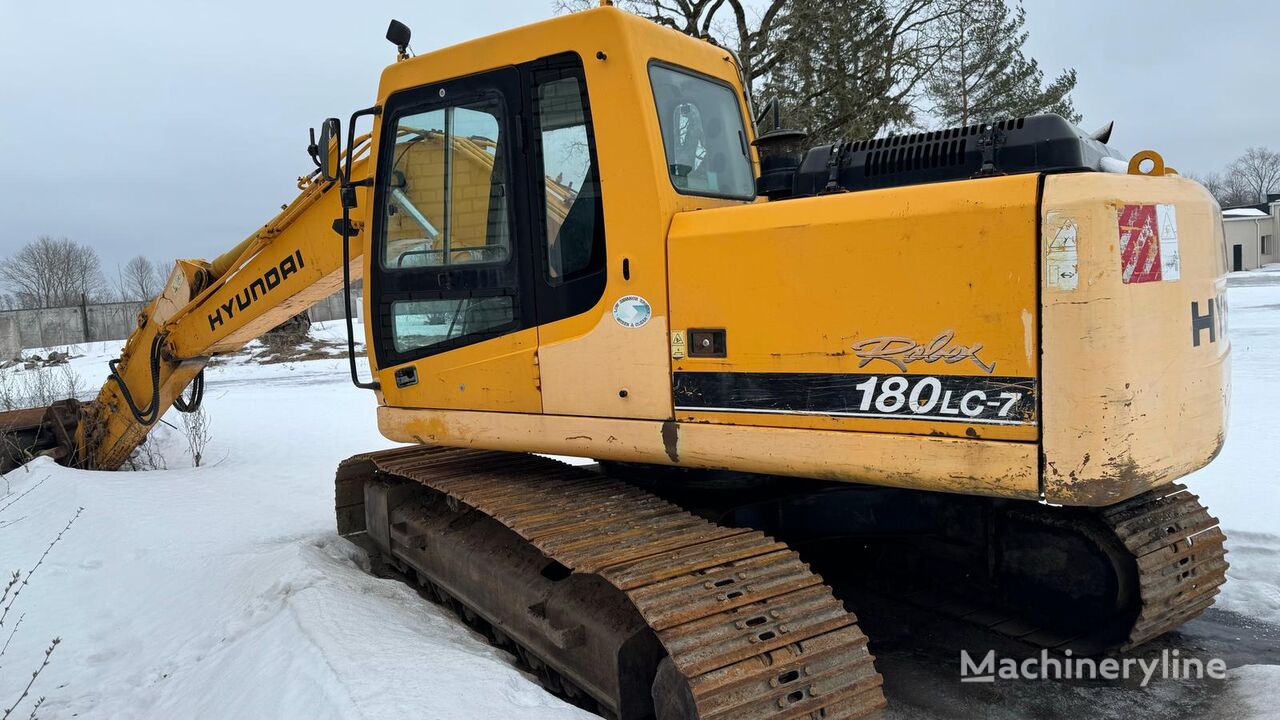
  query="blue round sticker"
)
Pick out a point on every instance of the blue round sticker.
point(632, 311)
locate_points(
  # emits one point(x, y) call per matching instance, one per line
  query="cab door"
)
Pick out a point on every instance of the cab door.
point(454, 321)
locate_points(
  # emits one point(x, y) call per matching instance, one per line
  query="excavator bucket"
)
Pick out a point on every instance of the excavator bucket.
point(33, 432)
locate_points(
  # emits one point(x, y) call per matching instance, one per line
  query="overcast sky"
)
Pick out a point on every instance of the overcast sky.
point(177, 128)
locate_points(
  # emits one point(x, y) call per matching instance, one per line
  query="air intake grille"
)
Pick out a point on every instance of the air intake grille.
point(1039, 143)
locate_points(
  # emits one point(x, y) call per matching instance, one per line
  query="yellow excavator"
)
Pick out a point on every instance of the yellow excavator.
point(985, 353)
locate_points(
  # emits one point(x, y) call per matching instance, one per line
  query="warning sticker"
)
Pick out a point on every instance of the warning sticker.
point(1062, 259)
point(1149, 244)
point(1167, 228)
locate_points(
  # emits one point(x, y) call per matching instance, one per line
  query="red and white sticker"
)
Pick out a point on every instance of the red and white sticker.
point(1149, 244)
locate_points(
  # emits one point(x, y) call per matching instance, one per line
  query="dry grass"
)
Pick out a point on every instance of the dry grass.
point(39, 387)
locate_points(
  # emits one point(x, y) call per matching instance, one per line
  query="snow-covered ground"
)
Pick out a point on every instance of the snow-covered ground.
point(222, 591)
point(1242, 486)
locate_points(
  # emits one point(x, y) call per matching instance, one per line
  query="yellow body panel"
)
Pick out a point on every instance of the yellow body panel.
point(621, 384)
point(1135, 395)
point(498, 374)
point(801, 287)
point(928, 463)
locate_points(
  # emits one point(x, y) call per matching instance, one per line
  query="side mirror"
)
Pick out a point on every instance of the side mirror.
point(330, 140)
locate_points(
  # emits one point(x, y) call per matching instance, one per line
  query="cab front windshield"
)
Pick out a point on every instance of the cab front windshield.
point(447, 190)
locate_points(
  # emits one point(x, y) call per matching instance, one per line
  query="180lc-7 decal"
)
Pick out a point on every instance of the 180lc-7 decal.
point(983, 399)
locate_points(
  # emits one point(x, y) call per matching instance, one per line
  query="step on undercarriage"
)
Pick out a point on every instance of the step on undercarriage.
point(610, 591)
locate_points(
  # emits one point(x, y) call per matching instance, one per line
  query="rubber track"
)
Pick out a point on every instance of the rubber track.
point(755, 633)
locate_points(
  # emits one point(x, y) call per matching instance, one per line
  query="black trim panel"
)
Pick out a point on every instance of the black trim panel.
point(973, 399)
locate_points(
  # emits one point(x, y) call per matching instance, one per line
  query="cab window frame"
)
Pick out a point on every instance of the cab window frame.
point(578, 292)
point(389, 284)
point(537, 300)
point(745, 138)
point(507, 126)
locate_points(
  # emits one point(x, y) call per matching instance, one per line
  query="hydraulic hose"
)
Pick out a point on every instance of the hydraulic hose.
point(147, 416)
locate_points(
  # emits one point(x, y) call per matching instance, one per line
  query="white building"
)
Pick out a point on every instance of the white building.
point(1252, 232)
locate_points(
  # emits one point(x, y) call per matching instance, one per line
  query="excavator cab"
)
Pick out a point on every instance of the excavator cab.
point(506, 201)
point(517, 232)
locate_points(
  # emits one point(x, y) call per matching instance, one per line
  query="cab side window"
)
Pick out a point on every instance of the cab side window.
point(703, 134)
point(571, 224)
point(418, 324)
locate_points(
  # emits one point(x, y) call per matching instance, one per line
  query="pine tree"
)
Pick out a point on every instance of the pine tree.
point(985, 75)
point(830, 82)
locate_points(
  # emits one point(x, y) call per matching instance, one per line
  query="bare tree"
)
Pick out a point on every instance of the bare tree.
point(840, 68)
point(1226, 190)
point(746, 28)
point(1247, 180)
point(137, 280)
point(1255, 173)
point(160, 276)
point(1211, 182)
point(196, 427)
point(51, 272)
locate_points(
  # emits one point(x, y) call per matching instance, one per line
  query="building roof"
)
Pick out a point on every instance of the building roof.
point(1262, 207)
point(1247, 212)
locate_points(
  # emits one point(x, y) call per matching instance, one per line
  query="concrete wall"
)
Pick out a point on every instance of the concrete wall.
point(10, 341)
point(330, 308)
point(48, 327)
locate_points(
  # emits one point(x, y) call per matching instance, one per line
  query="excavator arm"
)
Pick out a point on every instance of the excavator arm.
point(205, 308)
